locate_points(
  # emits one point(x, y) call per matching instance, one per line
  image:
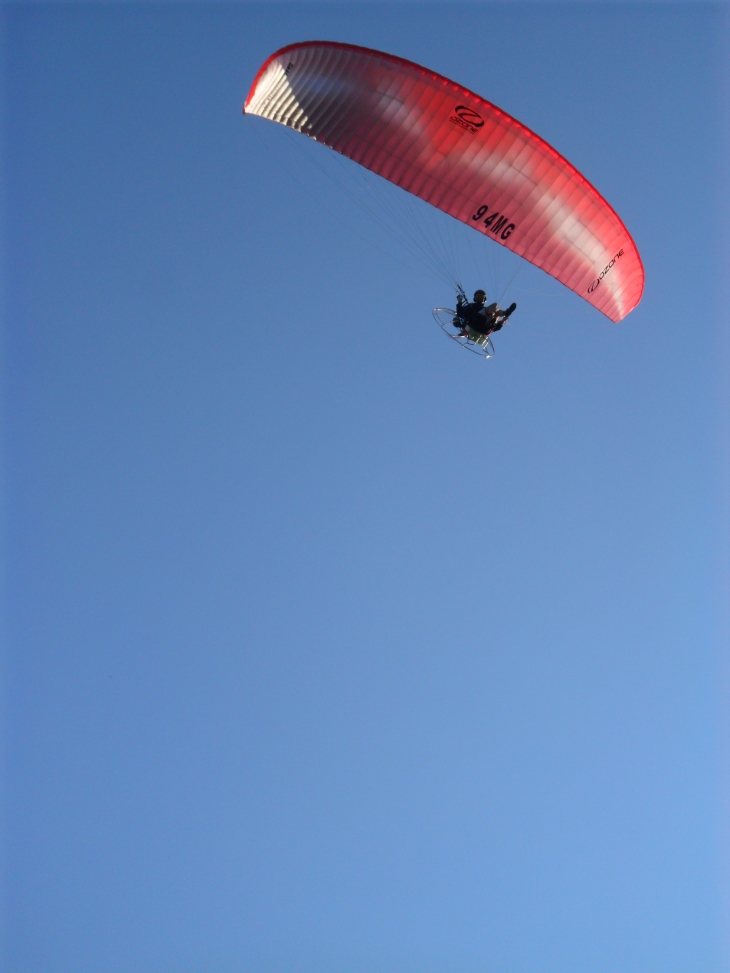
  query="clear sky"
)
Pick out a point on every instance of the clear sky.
point(331, 648)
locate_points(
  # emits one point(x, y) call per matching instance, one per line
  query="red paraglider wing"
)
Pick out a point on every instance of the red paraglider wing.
point(459, 153)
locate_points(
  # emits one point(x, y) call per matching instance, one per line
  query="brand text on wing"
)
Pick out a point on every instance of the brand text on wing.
point(605, 270)
point(467, 118)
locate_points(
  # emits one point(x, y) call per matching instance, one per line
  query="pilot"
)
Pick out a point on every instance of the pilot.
point(479, 316)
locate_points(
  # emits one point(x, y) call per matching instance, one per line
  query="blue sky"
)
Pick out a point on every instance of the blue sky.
point(330, 647)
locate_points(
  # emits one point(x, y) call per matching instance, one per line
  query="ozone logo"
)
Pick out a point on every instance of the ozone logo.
point(467, 119)
point(469, 116)
point(606, 270)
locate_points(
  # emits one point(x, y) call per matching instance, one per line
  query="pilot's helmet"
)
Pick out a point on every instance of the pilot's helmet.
point(480, 297)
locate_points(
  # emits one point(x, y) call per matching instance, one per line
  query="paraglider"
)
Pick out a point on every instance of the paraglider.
point(461, 154)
